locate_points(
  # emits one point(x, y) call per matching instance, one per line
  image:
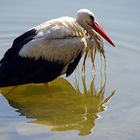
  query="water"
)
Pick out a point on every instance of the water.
point(62, 111)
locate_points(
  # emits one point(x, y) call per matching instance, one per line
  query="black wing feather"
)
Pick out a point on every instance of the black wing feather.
point(17, 70)
point(18, 44)
point(73, 65)
point(26, 70)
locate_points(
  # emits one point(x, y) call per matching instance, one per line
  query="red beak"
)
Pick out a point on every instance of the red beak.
point(102, 32)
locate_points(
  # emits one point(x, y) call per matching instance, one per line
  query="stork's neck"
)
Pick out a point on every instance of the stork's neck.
point(84, 25)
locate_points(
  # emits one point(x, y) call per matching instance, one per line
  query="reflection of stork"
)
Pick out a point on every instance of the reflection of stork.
point(51, 49)
point(62, 106)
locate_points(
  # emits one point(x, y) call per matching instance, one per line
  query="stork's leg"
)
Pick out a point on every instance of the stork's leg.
point(11, 90)
point(46, 84)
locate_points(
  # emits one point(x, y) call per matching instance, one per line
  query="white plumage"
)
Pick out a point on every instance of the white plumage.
point(56, 40)
point(51, 49)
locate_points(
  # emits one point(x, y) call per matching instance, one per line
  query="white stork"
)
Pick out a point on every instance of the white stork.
point(50, 49)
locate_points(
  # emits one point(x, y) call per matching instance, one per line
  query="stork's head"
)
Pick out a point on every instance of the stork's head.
point(87, 20)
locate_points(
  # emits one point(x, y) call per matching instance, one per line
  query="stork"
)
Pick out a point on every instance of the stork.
point(50, 49)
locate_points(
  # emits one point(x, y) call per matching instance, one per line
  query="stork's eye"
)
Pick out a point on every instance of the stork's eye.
point(91, 17)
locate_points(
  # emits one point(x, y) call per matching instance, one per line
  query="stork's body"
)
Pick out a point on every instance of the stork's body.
point(46, 51)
